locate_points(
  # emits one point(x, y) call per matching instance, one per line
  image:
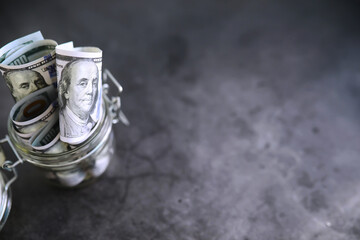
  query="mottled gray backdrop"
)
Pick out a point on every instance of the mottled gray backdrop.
point(245, 121)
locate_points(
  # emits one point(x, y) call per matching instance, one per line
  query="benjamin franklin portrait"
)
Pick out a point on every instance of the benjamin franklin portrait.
point(78, 91)
point(23, 82)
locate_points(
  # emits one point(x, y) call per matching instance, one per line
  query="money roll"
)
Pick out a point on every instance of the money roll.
point(79, 91)
point(34, 111)
point(28, 64)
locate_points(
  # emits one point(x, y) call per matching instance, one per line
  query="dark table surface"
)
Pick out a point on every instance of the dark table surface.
point(245, 121)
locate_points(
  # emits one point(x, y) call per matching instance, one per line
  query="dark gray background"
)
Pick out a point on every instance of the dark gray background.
point(245, 121)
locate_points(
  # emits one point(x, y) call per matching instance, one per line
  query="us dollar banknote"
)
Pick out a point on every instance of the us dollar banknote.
point(34, 111)
point(27, 64)
point(48, 136)
point(79, 72)
point(11, 47)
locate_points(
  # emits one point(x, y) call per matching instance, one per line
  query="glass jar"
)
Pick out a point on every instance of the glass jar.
point(75, 167)
point(78, 165)
point(81, 164)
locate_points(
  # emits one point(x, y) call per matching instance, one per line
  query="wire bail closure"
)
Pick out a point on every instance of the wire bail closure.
point(115, 101)
point(9, 165)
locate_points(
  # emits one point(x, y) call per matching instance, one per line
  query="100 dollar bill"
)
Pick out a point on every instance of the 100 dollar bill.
point(80, 91)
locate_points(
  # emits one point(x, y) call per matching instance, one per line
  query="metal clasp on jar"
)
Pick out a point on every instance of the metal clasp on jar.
point(115, 101)
point(9, 165)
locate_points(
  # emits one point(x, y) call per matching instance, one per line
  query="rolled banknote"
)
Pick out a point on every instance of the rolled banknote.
point(28, 64)
point(102, 161)
point(11, 47)
point(33, 111)
point(71, 178)
point(48, 136)
point(79, 88)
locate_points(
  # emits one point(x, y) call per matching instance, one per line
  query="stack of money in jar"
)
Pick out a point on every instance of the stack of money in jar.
point(57, 90)
point(58, 98)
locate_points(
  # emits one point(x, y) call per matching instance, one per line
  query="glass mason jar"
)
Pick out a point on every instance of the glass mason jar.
point(83, 163)
point(75, 167)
